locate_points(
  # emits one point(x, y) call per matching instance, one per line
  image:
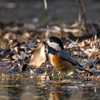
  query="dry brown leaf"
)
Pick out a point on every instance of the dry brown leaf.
point(38, 56)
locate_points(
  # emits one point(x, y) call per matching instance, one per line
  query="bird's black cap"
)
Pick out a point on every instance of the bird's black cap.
point(56, 40)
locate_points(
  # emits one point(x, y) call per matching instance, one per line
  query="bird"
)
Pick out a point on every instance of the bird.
point(58, 58)
point(38, 57)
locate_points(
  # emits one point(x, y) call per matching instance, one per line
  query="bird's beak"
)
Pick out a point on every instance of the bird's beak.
point(46, 46)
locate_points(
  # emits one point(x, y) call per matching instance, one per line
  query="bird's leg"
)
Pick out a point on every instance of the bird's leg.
point(53, 72)
point(59, 75)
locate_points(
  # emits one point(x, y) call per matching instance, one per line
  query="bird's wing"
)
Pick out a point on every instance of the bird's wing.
point(66, 56)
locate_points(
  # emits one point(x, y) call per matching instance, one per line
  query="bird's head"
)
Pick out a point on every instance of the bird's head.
point(55, 43)
point(49, 49)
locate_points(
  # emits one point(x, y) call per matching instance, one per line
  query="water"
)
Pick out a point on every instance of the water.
point(17, 87)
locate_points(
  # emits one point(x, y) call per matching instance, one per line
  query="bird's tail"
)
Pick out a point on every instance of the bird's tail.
point(79, 64)
point(82, 68)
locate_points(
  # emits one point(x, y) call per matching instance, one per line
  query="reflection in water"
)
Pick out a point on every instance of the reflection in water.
point(57, 93)
point(35, 89)
point(15, 91)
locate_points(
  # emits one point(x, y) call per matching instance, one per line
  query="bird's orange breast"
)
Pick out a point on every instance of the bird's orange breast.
point(59, 63)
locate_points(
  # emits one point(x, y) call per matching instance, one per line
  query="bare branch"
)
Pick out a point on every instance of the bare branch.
point(83, 12)
point(45, 4)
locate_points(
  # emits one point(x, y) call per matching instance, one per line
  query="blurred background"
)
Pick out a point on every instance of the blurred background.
point(58, 11)
point(27, 20)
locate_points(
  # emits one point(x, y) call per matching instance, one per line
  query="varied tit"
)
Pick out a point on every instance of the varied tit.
point(58, 58)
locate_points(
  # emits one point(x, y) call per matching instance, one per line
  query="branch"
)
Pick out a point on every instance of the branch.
point(83, 12)
point(45, 4)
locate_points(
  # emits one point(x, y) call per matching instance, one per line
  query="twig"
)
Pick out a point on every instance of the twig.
point(83, 12)
point(47, 33)
point(45, 4)
point(79, 16)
